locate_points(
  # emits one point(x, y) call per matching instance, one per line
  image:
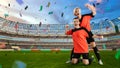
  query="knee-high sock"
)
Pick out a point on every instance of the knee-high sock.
point(96, 53)
point(72, 52)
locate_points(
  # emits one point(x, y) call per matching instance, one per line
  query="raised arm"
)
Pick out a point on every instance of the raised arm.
point(92, 8)
point(98, 36)
point(67, 31)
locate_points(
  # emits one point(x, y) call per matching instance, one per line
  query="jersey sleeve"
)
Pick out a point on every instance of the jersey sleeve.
point(69, 32)
point(89, 15)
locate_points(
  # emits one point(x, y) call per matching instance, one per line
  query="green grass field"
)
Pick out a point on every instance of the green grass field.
point(54, 60)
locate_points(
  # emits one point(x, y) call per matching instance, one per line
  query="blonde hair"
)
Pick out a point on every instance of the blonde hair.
point(77, 8)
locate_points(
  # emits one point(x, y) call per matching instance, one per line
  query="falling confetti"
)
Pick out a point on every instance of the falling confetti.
point(48, 5)
point(6, 15)
point(20, 14)
point(55, 3)
point(45, 19)
point(40, 24)
point(62, 14)
point(9, 4)
point(26, 7)
point(100, 10)
point(91, 0)
point(20, 2)
point(99, 1)
point(50, 12)
point(19, 64)
point(117, 55)
point(65, 7)
point(108, 8)
point(94, 5)
point(41, 7)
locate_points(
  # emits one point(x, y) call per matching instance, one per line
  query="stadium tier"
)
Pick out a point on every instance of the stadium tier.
point(104, 27)
point(46, 36)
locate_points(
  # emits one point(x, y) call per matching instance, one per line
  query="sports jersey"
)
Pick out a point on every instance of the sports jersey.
point(79, 40)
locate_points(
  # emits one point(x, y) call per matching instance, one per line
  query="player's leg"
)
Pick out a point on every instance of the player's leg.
point(91, 41)
point(75, 58)
point(85, 59)
point(71, 55)
point(96, 51)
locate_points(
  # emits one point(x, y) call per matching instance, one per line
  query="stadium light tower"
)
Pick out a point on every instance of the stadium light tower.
point(112, 24)
point(106, 21)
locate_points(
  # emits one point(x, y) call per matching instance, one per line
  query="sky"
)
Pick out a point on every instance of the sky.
point(55, 11)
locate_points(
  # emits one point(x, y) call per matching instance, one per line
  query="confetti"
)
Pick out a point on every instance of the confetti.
point(48, 5)
point(50, 12)
point(65, 7)
point(20, 14)
point(9, 4)
point(6, 15)
point(117, 55)
point(19, 64)
point(40, 24)
point(62, 14)
point(41, 7)
point(20, 2)
point(26, 7)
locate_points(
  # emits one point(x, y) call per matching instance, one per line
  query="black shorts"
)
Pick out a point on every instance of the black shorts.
point(90, 39)
point(84, 55)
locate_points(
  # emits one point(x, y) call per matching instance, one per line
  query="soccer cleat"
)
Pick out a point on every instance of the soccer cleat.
point(100, 62)
point(69, 61)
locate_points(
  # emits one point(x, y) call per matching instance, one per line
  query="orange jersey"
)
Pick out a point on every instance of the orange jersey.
point(85, 21)
point(79, 40)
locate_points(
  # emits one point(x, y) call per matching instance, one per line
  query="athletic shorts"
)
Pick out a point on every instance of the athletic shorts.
point(90, 39)
point(77, 55)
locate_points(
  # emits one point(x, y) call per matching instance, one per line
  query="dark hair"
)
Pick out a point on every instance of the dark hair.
point(76, 18)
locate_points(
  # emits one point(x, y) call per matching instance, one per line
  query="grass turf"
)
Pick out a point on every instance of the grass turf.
point(54, 60)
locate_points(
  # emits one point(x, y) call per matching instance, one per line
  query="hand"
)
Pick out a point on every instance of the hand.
point(87, 5)
point(67, 26)
point(92, 8)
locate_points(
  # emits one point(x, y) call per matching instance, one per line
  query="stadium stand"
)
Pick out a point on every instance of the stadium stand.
point(47, 36)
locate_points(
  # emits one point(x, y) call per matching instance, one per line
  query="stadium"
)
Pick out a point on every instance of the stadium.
point(32, 33)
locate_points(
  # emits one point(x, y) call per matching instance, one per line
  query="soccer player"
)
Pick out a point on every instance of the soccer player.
point(85, 22)
point(80, 45)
